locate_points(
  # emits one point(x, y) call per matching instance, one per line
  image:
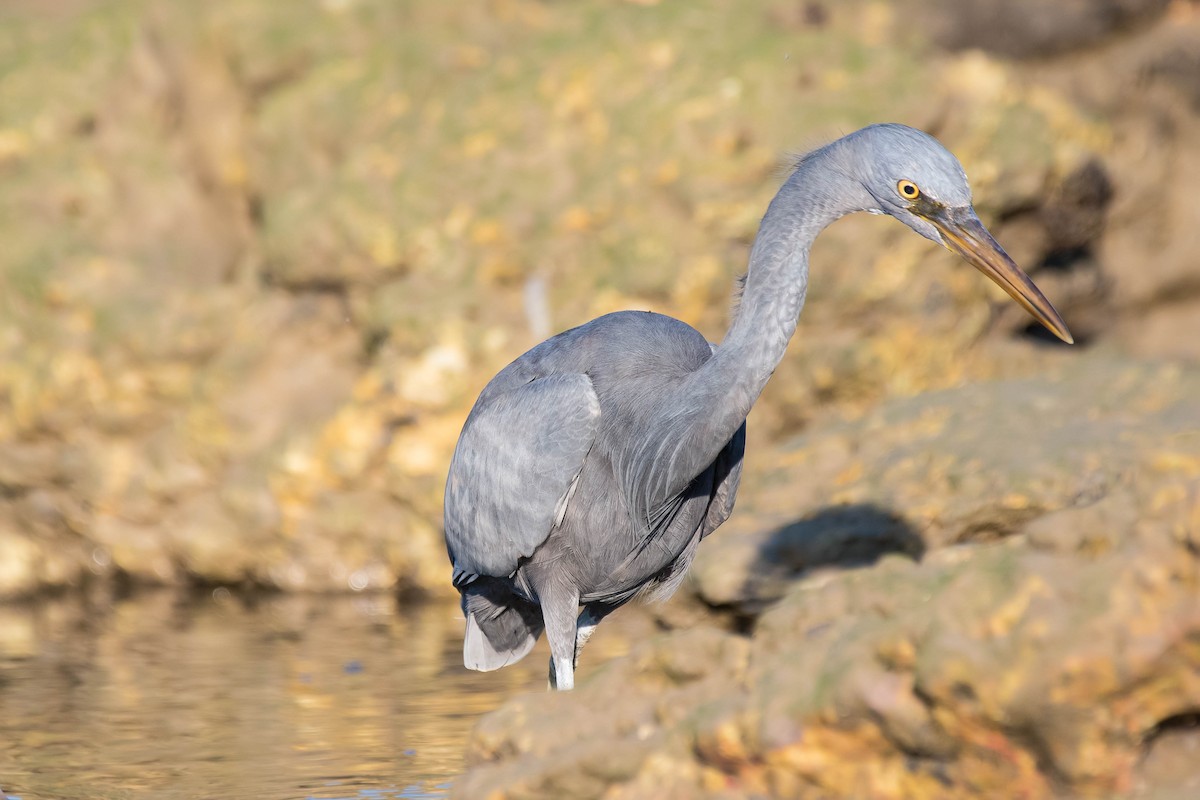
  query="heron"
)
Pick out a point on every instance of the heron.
point(591, 467)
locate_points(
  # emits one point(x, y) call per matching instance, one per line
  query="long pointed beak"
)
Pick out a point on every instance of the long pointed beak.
point(963, 233)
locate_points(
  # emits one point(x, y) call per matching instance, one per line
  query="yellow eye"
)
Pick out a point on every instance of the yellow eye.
point(908, 190)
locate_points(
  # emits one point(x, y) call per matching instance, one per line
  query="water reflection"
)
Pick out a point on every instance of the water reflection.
point(276, 697)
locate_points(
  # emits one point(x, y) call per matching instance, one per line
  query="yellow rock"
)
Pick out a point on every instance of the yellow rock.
point(14, 145)
point(436, 375)
point(470, 56)
point(19, 559)
point(667, 173)
point(576, 219)
point(479, 144)
point(413, 455)
point(484, 232)
point(499, 270)
point(876, 23)
point(976, 78)
point(1005, 618)
point(425, 450)
point(1175, 461)
point(661, 54)
point(574, 98)
point(384, 246)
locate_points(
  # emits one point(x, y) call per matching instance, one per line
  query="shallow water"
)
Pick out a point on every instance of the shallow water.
point(275, 697)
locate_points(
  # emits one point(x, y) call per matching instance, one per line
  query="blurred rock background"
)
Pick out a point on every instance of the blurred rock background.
point(258, 258)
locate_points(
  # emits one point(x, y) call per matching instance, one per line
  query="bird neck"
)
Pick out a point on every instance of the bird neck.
point(776, 285)
point(713, 402)
point(773, 293)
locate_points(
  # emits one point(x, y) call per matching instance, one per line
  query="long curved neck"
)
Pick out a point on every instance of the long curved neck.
point(713, 402)
point(774, 293)
point(775, 290)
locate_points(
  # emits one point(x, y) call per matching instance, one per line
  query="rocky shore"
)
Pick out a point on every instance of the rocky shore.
point(1014, 612)
point(258, 263)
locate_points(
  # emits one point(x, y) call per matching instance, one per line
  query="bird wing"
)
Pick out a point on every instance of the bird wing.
point(516, 465)
point(728, 477)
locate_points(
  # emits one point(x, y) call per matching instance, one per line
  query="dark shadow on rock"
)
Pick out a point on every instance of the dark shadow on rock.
point(852, 535)
point(839, 536)
point(1168, 763)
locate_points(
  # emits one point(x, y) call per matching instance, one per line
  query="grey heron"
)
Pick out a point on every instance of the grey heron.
point(592, 466)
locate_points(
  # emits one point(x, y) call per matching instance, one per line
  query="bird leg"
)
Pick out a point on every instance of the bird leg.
point(562, 676)
point(558, 612)
point(585, 626)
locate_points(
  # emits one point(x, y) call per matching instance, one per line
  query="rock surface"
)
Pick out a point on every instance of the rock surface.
point(1031, 29)
point(1040, 657)
point(257, 264)
point(962, 466)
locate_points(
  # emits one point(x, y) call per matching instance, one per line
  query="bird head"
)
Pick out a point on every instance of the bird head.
point(909, 175)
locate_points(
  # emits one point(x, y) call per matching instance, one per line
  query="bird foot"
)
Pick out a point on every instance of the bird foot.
point(562, 674)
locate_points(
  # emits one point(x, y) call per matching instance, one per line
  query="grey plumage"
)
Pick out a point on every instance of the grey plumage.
point(591, 467)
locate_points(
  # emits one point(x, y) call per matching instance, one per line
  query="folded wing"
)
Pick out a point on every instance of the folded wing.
point(514, 470)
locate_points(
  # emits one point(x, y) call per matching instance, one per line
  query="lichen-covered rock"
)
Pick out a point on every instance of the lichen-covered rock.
point(1038, 660)
point(973, 464)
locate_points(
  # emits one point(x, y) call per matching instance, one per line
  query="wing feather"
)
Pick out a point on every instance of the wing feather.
point(728, 477)
point(515, 467)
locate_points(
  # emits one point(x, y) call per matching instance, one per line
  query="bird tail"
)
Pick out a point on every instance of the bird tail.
point(501, 627)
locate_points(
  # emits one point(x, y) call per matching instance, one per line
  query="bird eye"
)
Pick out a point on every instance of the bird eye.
point(908, 190)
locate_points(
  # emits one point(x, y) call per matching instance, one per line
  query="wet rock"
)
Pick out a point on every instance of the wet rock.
point(32, 560)
point(548, 746)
